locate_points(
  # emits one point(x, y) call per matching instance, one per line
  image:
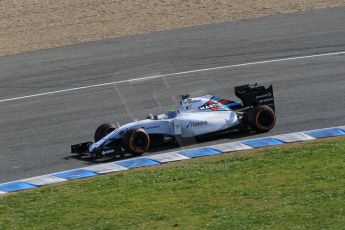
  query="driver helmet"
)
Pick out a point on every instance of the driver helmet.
point(172, 113)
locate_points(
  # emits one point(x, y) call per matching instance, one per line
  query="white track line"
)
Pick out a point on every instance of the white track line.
point(172, 74)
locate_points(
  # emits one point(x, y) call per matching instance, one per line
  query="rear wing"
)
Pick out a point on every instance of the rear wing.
point(253, 95)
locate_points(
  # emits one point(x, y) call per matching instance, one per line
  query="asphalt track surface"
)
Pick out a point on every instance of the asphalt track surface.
point(37, 131)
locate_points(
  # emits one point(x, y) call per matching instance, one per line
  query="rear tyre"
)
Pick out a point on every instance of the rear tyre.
point(136, 141)
point(103, 130)
point(261, 118)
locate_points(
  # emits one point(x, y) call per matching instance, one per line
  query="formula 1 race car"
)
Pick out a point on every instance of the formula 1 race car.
point(196, 117)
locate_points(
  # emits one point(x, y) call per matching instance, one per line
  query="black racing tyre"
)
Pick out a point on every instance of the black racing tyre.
point(103, 130)
point(261, 118)
point(136, 141)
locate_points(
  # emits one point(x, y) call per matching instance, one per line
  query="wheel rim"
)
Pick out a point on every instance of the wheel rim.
point(139, 141)
point(265, 119)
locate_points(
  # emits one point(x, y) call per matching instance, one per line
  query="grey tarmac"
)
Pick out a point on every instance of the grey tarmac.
point(36, 133)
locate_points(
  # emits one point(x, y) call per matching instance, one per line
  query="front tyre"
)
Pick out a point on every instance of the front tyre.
point(136, 141)
point(103, 130)
point(261, 118)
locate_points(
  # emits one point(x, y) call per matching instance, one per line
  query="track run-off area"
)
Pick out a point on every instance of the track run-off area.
point(53, 98)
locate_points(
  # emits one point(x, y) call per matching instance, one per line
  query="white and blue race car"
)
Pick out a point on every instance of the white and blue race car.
point(195, 118)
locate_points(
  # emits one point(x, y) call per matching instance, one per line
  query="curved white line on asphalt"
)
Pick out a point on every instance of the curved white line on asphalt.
point(172, 74)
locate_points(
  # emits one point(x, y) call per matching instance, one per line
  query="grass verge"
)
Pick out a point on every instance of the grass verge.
point(297, 186)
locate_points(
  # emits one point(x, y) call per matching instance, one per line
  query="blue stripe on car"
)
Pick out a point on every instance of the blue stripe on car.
point(234, 103)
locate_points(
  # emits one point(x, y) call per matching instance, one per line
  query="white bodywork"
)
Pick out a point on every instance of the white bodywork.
point(196, 116)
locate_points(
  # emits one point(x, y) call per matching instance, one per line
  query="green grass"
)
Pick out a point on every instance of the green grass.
point(298, 186)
